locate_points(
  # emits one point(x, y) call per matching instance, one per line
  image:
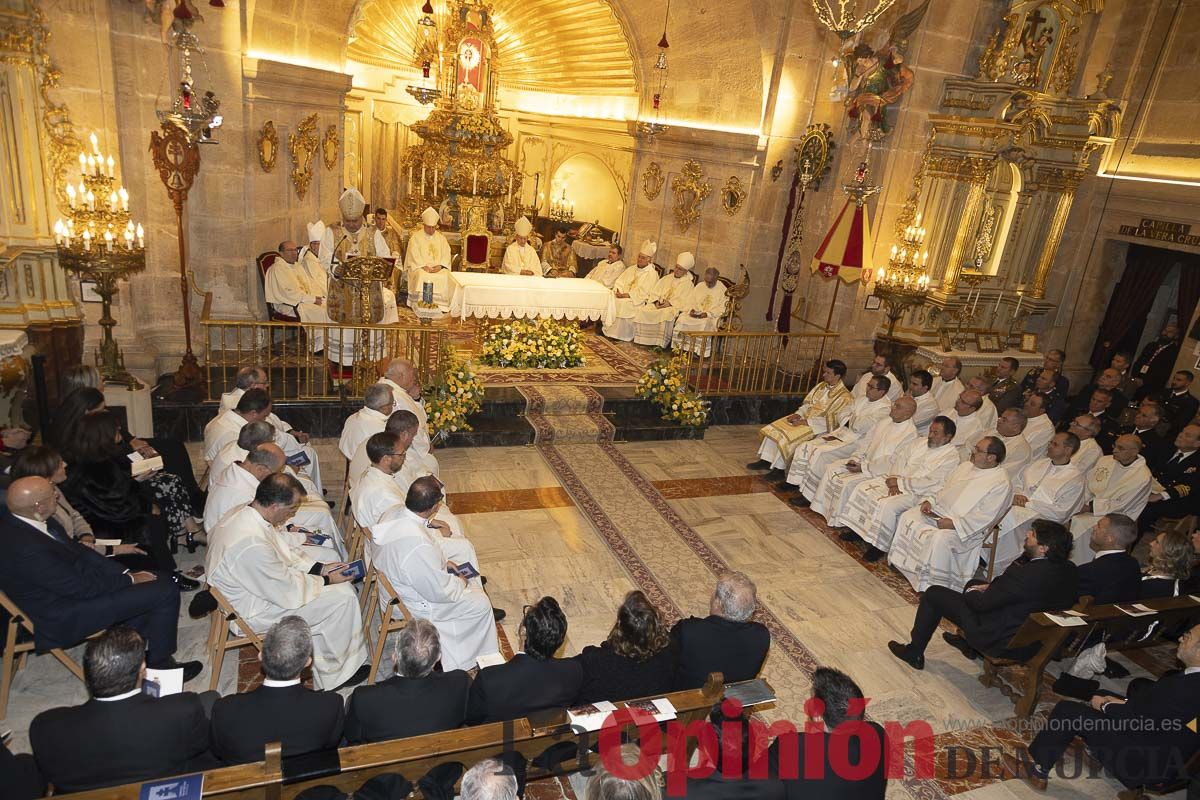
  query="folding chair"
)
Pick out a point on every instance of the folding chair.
point(387, 624)
point(220, 639)
point(989, 544)
point(17, 619)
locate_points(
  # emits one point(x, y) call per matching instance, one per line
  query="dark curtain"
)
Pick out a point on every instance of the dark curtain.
point(1189, 289)
point(1145, 270)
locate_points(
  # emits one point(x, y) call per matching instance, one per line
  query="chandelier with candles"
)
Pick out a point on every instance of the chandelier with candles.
point(904, 283)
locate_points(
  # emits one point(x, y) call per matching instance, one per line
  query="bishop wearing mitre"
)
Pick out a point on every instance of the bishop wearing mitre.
point(310, 259)
point(520, 257)
point(428, 261)
point(631, 291)
point(653, 322)
point(825, 407)
point(702, 310)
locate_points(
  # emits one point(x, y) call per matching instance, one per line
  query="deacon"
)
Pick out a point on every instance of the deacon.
point(1010, 429)
point(558, 259)
point(1118, 484)
point(702, 310)
point(427, 260)
point(878, 453)
point(1050, 488)
point(919, 384)
point(872, 509)
point(1085, 427)
point(608, 270)
point(814, 456)
point(825, 407)
point(386, 240)
point(520, 258)
point(654, 321)
point(946, 384)
point(880, 365)
point(290, 439)
point(631, 291)
point(967, 420)
point(404, 425)
point(408, 554)
point(401, 376)
point(1038, 425)
point(259, 576)
point(370, 419)
point(938, 543)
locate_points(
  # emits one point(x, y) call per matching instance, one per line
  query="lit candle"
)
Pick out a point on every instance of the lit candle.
point(924, 258)
point(110, 166)
point(108, 239)
point(58, 231)
point(112, 202)
point(141, 236)
point(71, 195)
point(95, 143)
point(893, 251)
point(87, 241)
point(918, 222)
point(82, 161)
point(997, 308)
point(91, 200)
point(124, 199)
point(91, 165)
point(128, 239)
point(879, 274)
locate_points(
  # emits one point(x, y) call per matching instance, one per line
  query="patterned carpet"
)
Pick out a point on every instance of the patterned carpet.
point(566, 414)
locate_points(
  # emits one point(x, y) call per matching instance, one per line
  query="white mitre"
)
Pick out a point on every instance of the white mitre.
point(430, 217)
point(351, 203)
point(316, 231)
point(522, 227)
point(648, 250)
point(685, 260)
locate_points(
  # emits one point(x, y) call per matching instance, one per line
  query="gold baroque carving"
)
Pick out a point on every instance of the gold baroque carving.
point(268, 146)
point(329, 147)
point(303, 146)
point(733, 194)
point(690, 190)
point(652, 180)
point(1063, 73)
point(969, 103)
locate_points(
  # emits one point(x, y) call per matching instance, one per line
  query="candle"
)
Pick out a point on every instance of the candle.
point(95, 144)
point(997, 308)
point(71, 195)
point(124, 199)
point(474, 179)
point(410, 180)
point(141, 236)
point(91, 165)
point(110, 166)
point(918, 218)
point(112, 202)
point(91, 200)
point(108, 241)
point(87, 241)
point(82, 161)
point(1017, 310)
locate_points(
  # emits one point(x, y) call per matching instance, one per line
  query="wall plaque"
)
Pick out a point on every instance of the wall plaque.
point(1161, 230)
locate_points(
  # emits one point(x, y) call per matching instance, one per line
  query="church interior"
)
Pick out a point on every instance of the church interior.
point(676, 299)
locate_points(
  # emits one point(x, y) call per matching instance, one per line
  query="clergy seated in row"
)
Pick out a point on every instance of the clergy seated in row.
point(607, 271)
point(250, 561)
point(868, 508)
point(654, 320)
point(558, 259)
point(946, 384)
point(702, 310)
point(292, 440)
point(1118, 484)
point(1052, 488)
point(378, 403)
point(254, 405)
point(1039, 427)
point(1085, 427)
point(520, 257)
point(297, 288)
point(814, 456)
point(967, 421)
point(1176, 480)
point(919, 383)
point(938, 543)
point(427, 260)
point(1005, 391)
point(825, 408)
point(235, 488)
point(1010, 430)
point(401, 376)
point(404, 425)
point(880, 365)
point(249, 437)
point(631, 291)
point(987, 409)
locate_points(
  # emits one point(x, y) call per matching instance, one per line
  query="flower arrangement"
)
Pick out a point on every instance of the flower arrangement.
point(448, 401)
point(663, 384)
point(532, 344)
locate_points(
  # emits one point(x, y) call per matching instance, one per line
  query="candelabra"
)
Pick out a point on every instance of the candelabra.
point(562, 210)
point(100, 243)
point(904, 284)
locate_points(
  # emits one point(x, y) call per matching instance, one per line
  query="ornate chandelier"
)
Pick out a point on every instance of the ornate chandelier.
point(196, 115)
point(851, 17)
point(562, 209)
point(659, 80)
point(905, 282)
point(100, 243)
point(425, 52)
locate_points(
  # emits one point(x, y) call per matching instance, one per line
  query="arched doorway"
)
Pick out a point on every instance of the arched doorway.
point(589, 184)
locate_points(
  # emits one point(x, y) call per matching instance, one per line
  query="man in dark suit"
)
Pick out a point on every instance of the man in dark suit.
point(1178, 401)
point(19, 776)
point(1145, 426)
point(1156, 361)
point(414, 702)
point(120, 735)
point(1006, 390)
point(1139, 740)
point(988, 614)
point(1112, 576)
point(70, 591)
point(1177, 471)
point(281, 710)
point(530, 681)
point(726, 641)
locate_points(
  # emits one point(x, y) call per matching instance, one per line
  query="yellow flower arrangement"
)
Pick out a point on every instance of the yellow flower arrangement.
point(533, 344)
point(449, 400)
point(663, 384)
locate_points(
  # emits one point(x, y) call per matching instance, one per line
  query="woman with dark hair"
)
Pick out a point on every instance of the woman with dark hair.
point(636, 660)
point(1170, 565)
point(101, 486)
point(533, 680)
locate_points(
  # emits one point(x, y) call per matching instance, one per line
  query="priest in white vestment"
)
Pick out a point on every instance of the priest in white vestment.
point(1050, 488)
point(310, 258)
point(290, 439)
point(877, 453)
point(401, 376)
point(371, 418)
point(968, 422)
point(521, 257)
point(814, 456)
point(987, 409)
point(289, 291)
point(825, 407)
point(264, 580)
point(1010, 427)
point(253, 406)
point(427, 260)
point(938, 543)
point(403, 424)
point(946, 384)
point(1086, 427)
point(1038, 426)
point(880, 365)
point(654, 321)
point(701, 311)
point(607, 271)
point(918, 387)
point(631, 291)
point(407, 550)
point(871, 510)
point(1118, 484)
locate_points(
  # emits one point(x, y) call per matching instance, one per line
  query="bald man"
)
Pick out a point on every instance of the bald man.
point(401, 375)
point(1118, 484)
point(70, 591)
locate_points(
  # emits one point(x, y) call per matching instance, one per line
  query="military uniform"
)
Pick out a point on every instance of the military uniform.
point(1179, 475)
point(1005, 394)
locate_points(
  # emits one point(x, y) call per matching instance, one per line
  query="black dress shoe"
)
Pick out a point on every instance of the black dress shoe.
point(358, 677)
point(873, 554)
point(1114, 670)
point(483, 580)
point(774, 474)
point(800, 501)
point(960, 644)
point(498, 614)
point(185, 583)
point(900, 651)
point(190, 668)
point(760, 464)
point(848, 535)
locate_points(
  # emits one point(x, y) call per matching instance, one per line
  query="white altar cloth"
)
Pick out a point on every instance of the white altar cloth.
point(484, 295)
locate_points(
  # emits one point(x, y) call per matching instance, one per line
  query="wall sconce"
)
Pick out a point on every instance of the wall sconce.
point(777, 170)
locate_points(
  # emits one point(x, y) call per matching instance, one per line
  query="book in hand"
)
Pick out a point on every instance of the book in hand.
point(298, 459)
point(141, 463)
point(466, 571)
point(317, 539)
point(162, 682)
point(750, 693)
point(358, 569)
point(184, 787)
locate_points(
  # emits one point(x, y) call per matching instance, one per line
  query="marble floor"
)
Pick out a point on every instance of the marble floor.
point(588, 523)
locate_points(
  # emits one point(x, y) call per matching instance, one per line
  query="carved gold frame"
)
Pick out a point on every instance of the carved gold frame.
point(268, 146)
point(733, 195)
point(329, 147)
point(652, 180)
point(303, 145)
point(690, 190)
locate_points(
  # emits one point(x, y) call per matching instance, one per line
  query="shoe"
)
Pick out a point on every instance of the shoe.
point(499, 614)
point(900, 651)
point(848, 535)
point(774, 474)
point(190, 668)
point(760, 464)
point(800, 501)
point(873, 554)
point(1114, 670)
point(358, 677)
point(1011, 767)
point(483, 580)
point(960, 644)
point(185, 583)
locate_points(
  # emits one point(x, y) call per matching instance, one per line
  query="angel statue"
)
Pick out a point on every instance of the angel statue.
point(878, 79)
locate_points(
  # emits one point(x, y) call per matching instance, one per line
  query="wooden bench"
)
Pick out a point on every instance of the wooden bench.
point(1108, 624)
point(415, 756)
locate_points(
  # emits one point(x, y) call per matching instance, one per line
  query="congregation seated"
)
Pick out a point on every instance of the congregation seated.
point(292, 440)
point(532, 680)
point(1005, 391)
point(1052, 362)
point(1170, 565)
point(281, 710)
point(1177, 401)
point(968, 422)
point(919, 383)
point(727, 641)
point(947, 385)
point(249, 438)
point(638, 659)
point(881, 366)
point(1039, 426)
point(19, 775)
point(988, 414)
point(493, 779)
point(1146, 422)
point(253, 406)
point(1176, 473)
point(1086, 427)
point(416, 700)
point(121, 734)
point(605, 784)
point(1010, 429)
point(404, 425)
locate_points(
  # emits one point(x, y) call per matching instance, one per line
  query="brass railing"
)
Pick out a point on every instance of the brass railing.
point(739, 363)
point(297, 373)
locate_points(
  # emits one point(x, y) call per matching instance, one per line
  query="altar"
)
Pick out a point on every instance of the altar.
point(495, 296)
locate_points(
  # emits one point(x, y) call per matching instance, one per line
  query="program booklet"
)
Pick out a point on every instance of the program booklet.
point(145, 460)
point(466, 570)
point(356, 568)
point(750, 693)
point(184, 787)
point(298, 459)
